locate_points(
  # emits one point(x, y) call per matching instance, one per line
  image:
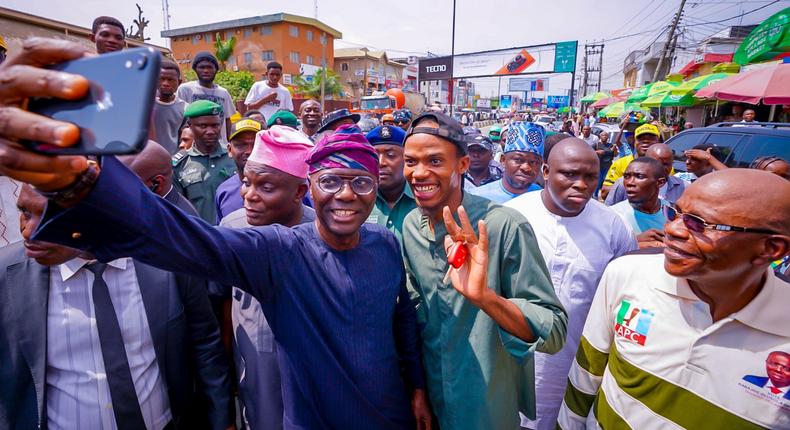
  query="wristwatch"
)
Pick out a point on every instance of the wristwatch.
point(72, 194)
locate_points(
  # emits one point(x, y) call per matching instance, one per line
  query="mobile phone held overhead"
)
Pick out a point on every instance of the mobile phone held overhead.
point(114, 116)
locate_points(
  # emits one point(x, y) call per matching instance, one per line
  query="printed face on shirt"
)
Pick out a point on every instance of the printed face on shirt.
point(434, 168)
point(270, 195)
point(31, 207)
point(342, 213)
point(520, 170)
point(777, 366)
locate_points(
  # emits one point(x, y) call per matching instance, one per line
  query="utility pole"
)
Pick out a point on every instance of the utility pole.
point(591, 78)
point(452, 60)
point(671, 35)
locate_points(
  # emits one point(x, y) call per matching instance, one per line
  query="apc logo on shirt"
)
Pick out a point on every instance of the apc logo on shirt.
point(633, 323)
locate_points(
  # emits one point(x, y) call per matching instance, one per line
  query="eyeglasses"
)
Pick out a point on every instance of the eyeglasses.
point(698, 225)
point(401, 122)
point(360, 185)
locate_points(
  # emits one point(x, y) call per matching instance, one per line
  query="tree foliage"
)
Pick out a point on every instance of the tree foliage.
point(312, 88)
point(223, 50)
point(238, 83)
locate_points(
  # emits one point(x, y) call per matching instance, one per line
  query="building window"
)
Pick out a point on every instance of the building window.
point(343, 67)
point(309, 35)
point(308, 59)
point(267, 55)
point(232, 60)
point(323, 62)
point(293, 30)
point(247, 32)
point(323, 39)
point(266, 30)
point(195, 39)
point(208, 37)
point(248, 58)
point(294, 57)
point(228, 34)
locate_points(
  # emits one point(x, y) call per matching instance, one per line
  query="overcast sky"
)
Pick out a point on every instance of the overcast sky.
point(403, 27)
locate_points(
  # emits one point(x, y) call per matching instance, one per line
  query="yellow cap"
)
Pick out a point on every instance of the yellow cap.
point(242, 126)
point(646, 129)
point(2, 44)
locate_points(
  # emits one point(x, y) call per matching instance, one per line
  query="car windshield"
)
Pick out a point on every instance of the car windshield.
point(379, 103)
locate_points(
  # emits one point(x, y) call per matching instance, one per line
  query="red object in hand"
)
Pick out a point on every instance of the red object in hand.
point(456, 256)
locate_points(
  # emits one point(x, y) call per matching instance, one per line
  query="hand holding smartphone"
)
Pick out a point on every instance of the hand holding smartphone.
point(113, 117)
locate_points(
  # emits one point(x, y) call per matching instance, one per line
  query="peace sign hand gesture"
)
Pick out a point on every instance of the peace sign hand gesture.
point(471, 279)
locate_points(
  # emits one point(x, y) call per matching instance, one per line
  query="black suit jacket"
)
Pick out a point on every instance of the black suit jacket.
point(185, 336)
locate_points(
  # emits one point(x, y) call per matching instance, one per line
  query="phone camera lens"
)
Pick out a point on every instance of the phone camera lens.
point(141, 62)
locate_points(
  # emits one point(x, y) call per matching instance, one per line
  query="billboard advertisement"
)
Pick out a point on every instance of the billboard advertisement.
point(505, 101)
point(434, 69)
point(504, 62)
point(556, 101)
point(484, 103)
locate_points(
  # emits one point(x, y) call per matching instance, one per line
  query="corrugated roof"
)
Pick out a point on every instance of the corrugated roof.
point(357, 52)
point(253, 20)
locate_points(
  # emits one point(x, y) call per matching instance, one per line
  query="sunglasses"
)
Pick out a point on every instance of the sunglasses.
point(360, 185)
point(401, 122)
point(698, 225)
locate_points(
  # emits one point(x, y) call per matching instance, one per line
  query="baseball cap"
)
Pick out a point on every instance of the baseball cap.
point(2, 43)
point(483, 141)
point(242, 126)
point(647, 129)
point(449, 129)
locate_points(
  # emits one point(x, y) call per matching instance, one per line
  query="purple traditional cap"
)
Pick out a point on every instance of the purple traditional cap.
point(346, 148)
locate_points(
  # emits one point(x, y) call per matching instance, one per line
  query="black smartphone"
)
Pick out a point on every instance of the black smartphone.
point(114, 116)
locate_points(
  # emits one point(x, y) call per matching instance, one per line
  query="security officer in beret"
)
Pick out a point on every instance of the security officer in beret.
point(394, 199)
point(198, 171)
point(283, 117)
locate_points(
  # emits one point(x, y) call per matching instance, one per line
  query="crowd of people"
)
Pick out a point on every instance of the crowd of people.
point(423, 274)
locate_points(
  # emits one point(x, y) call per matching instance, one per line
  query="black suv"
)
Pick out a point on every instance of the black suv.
point(740, 145)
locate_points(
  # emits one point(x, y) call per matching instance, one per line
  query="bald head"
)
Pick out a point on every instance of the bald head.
point(735, 189)
point(153, 165)
point(664, 154)
point(574, 148)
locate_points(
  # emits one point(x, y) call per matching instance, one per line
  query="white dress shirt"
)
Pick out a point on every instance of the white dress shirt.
point(9, 216)
point(77, 392)
point(576, 250)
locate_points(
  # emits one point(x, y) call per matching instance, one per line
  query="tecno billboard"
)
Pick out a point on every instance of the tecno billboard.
point(434, 69)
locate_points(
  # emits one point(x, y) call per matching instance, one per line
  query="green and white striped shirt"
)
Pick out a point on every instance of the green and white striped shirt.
point(651, 357)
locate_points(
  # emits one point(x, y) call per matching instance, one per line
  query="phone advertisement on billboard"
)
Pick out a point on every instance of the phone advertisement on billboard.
point(506, 62)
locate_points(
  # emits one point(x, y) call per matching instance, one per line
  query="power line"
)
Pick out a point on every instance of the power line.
point(736, 16)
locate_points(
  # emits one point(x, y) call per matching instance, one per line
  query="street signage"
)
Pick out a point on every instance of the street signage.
point(565, 57)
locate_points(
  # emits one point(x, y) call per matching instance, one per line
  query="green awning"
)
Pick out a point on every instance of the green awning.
point(765, 42)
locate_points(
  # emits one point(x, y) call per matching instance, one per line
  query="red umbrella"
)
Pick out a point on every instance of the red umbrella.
point(769, 84)
point(606, 102)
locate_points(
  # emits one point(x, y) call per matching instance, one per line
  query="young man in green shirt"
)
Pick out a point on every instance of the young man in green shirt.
point(480, 326)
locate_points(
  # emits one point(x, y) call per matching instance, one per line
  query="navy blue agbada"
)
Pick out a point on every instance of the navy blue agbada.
point(346, 332)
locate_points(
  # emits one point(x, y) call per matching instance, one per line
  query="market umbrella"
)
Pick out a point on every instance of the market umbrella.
point(648, 90)
point(617, 109)
point(565, 109)
point(768, 84)
point(667, 99)
point(589, 98)
point(698, 83)
point(606, 102)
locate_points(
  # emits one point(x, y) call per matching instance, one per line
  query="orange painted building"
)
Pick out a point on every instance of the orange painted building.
point(288, 39)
